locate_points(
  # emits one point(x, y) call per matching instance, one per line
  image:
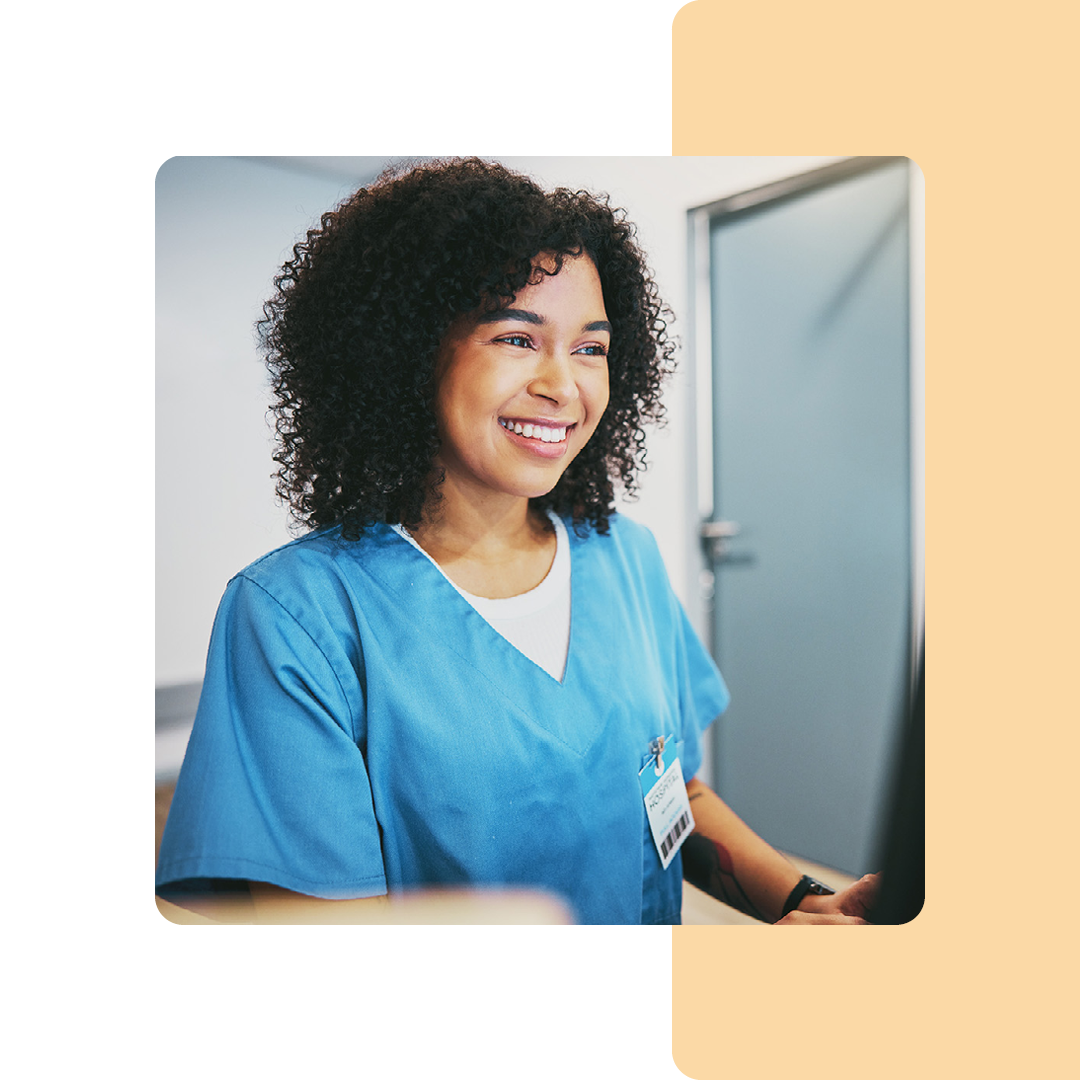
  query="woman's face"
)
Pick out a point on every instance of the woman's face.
point(522, 389)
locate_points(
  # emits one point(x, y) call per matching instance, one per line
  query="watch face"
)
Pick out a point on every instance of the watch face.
point(820, 889)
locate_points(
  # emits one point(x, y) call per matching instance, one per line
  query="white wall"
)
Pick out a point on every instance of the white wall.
point(224, 226)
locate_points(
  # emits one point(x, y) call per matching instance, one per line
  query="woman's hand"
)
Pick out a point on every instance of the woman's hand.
point(849, 907)
point(811, 918)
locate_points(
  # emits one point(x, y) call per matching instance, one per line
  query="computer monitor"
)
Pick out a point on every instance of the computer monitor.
point(903, 851)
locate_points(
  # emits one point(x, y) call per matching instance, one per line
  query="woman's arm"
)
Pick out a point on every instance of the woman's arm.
point(727, 859)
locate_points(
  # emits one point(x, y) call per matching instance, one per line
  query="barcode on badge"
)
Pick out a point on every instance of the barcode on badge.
point(673, 834)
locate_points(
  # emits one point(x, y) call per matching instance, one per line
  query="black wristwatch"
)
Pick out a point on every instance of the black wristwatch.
point(806, 885)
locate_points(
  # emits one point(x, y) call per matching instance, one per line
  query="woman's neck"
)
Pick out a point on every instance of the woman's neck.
point(489, 551)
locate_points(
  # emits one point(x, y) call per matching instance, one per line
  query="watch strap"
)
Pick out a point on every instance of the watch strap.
point(806, 885)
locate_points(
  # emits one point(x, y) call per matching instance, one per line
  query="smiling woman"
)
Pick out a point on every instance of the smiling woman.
point(515, 407)
point(469, 671)
point(366, 310)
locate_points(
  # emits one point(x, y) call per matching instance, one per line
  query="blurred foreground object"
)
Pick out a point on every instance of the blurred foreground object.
point(469, 907)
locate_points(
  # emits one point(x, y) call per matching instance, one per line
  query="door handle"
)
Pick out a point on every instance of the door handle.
point(715, 535)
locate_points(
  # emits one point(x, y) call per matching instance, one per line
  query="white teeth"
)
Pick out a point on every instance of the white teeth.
point(535, 431)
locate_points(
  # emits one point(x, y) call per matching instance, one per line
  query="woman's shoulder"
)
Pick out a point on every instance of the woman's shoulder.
point(632, 531)
point(629, 535)
point(309, 561)
point(627, 544)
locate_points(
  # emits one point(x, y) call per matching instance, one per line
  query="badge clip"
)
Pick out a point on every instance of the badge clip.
point(656, 748)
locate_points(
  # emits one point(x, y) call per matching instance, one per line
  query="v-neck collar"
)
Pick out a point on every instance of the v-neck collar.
point(513, 607)
point(432, 611)
point(442, 596)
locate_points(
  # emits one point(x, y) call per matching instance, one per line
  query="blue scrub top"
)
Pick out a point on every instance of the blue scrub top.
point(362, 729)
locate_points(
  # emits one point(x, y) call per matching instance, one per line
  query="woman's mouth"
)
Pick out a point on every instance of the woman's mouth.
point(548, 440)
point(548, 433)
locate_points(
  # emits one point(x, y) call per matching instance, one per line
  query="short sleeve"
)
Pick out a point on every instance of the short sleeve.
point(693, 682)
point(274, 786)
point(703, 695)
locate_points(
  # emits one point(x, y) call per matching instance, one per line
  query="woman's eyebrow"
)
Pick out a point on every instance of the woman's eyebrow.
point(504, 314)
point(531, 317)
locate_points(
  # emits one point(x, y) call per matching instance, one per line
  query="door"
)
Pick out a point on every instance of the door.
point(810, 328)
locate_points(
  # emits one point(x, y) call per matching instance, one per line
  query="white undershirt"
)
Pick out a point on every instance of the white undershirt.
point(537, 622)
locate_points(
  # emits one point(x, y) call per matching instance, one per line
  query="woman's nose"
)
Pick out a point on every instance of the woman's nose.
point(554, 377)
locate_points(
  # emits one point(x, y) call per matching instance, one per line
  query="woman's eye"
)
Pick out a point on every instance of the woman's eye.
point(593, 350)
point(521, 341)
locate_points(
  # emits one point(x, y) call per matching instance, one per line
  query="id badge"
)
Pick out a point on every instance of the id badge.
point(666, 802)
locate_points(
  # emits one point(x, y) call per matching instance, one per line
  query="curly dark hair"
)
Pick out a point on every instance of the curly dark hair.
point(352, 331)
